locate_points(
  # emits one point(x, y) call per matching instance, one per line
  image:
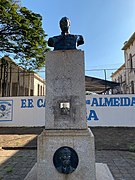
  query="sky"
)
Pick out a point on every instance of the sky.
point(104, 24)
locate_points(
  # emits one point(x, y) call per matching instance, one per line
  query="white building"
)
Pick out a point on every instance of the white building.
point(129, 55)
point(125, 75)
point(119, 76)
point(16, 81)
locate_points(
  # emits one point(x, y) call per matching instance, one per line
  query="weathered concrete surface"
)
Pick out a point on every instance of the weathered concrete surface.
point(82, 141)
point(102, 172)
point(32, 175)
point(65, 81)
point(65, 125)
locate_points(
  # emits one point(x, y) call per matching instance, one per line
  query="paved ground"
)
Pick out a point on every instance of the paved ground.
point(112, 147)
point(120, 163)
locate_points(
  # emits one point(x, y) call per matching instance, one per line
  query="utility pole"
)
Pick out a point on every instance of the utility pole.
point(5, 77)
point(105, 79)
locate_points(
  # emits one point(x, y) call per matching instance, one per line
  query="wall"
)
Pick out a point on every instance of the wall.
point(130, 73)
point(38, 81)
point(102, 110)
point(120, 76)
point(111, 110)
point(22, 111)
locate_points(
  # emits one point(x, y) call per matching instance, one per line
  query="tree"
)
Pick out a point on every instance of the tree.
point(21, 34)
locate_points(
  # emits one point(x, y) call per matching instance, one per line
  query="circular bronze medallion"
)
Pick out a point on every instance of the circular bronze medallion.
point(65, 160)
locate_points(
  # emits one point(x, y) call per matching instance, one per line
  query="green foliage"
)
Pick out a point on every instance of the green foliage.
point(9, 169)
point(132, 147)
point(21, 33)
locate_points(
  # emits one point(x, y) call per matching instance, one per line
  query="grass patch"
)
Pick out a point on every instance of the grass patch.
point(132, 148)
point(9, 169)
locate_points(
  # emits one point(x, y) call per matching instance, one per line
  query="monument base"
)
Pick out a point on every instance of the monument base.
point(81, 141)
point(102, 173)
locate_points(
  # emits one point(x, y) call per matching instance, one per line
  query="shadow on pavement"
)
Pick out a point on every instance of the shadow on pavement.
point(21, 155)
point(18, 152)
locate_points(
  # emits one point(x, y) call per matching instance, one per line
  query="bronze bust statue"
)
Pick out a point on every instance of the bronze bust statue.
point(65, 41)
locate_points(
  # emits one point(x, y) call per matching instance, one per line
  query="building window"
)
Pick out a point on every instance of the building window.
point(0, 87)
point(38, 90)
point(14, 89)
point(41, 91)
point(8, 89)
point(124, 89)
point(121, 78)
point(26, 92)
point(132, 87)
point(22, 91)
point(130, 62)
point(118, 79)
point(31, 92)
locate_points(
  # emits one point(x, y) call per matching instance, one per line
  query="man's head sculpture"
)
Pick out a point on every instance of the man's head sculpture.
point(64, 25)
point(65, 160)
point(65, 41)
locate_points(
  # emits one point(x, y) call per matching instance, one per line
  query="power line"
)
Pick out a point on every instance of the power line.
point(100, 69)
point(108, 69)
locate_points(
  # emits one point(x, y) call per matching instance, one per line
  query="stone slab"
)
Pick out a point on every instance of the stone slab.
point(32, 175)
point(82, 141)
point(102, 172)
point(65, 79)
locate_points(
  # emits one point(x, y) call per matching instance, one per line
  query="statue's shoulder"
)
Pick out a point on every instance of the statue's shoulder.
point(80, 40)
point(64, 42)
point(52, 40)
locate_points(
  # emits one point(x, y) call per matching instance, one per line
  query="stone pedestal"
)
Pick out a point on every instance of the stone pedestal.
point(82, 141)
point(65, 81)
point(65, 124)
point(65, 118)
